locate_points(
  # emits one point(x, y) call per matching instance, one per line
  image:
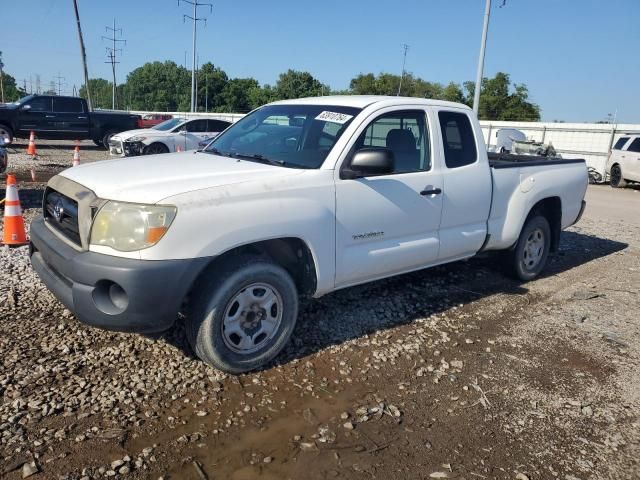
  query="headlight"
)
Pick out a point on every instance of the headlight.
point(136, 139)
point(128, 226)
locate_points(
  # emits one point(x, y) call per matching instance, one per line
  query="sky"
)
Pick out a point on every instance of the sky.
point(579, 58)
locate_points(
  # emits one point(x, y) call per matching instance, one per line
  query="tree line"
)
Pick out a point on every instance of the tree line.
point(166, 86)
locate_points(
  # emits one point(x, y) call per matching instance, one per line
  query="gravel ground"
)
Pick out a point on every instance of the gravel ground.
point(453, 372)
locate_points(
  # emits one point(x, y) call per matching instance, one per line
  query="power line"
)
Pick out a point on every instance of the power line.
point(111, 53)
point(195, 19)
point(404, 61)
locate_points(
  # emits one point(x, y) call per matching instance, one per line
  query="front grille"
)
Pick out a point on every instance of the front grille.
point(61, 213)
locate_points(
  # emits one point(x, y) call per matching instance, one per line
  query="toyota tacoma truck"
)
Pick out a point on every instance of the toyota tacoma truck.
point(62, 118)
point(297, 199)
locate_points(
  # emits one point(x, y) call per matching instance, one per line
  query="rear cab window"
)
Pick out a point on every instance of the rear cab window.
point(458, 139)
point(67, 105)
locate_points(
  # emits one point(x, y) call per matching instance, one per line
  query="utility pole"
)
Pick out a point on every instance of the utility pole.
point(59, 78)
point(38, 88)
point(195, 19)
point(206, 92)
point(404, 61)
point(483, 46)
point(83, 54)
point(1, 77)
point(111, 53)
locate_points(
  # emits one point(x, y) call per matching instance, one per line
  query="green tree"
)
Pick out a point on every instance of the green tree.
point(364, 84)
point(238, 95)
point(295, 84)
point(212, 82)
point(100, 92)
point(499, 100)
point(161, 86)
point(11, 91)
point(453, 93)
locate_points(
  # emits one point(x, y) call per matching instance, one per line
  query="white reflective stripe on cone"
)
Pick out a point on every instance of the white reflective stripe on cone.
point(12, 211)
point(12, 193)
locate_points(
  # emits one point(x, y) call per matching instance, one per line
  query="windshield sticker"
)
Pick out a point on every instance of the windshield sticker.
point(334, 117)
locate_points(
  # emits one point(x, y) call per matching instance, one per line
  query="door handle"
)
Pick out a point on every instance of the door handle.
point(82, 118)
point(49, 116)
point(434, 191)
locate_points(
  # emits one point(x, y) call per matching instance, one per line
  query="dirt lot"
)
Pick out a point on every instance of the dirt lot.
point(453, 372)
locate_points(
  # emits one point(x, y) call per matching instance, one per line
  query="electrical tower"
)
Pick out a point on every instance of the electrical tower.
point(195, 19)
point(59, 82)
point(404, 61)
point(111, 54)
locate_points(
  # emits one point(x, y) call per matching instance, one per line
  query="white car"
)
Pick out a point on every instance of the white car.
point(173, 135)
point(623, 164)
point(297, 199)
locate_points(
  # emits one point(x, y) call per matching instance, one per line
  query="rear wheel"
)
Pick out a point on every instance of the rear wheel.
point(529, 257)
point(6, 134)
point(242, 314)
point(155, 149)
point(616, 180)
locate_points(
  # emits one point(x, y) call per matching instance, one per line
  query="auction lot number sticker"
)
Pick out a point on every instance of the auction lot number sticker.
point(334, 117)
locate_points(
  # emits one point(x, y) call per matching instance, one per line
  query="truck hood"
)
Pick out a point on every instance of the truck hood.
point(151, 178)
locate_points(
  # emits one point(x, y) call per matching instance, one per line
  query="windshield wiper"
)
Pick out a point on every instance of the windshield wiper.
point(215, 151)
point(259, 158)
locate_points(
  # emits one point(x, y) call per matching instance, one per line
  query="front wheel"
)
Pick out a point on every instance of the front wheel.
point(242, 314)
point(6, 134)
point(616, 180)
point(155, 149)
point(106, 137)
point(531, 252)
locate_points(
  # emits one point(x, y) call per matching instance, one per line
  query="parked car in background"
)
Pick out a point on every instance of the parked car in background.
point(63, 118)
point(176, 134)
point(297, 199)
point(149, 120)
point(623, 164)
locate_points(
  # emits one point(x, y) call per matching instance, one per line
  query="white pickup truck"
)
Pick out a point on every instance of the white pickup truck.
point(297, 199)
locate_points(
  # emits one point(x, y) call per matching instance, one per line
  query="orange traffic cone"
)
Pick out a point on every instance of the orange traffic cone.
point(178, 148)
point(14, 233)
point(31, 149)
point(76, 156)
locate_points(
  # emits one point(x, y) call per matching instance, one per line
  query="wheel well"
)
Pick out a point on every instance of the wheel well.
point(290, 253)
point(551, 209)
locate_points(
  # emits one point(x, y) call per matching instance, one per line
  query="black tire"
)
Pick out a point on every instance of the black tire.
point(535, 236)
point(215, 301)
point(98, 143)
point(7, 133)
point(155, 149)
point(106, 137)
point(616, 180)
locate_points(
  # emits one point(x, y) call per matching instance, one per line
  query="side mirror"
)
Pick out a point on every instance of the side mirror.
point(183, 131)
point(25, 108)
point(370, 161)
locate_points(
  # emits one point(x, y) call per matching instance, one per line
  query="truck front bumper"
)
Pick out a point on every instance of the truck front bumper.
point(109, 292)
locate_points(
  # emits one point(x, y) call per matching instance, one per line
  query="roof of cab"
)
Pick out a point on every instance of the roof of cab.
point(362, 101)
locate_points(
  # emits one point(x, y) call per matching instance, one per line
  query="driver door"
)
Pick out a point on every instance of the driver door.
point(36, 115)
point(389, 224)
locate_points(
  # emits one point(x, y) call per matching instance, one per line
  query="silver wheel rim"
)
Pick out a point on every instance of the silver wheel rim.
point(533, 249)
point(252, 318)
point(4, 135)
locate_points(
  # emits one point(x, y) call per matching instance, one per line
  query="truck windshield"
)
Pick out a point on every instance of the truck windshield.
point(297, 136)
point(169, 124)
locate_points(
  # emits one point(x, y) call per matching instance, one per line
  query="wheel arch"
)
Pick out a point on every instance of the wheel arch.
point(551, 209)
point(291, 253)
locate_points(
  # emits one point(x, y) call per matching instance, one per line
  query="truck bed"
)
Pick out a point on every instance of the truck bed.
point(508, 160)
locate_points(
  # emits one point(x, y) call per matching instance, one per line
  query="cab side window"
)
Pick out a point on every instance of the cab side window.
point(405, 133)
point(458, 139)
point(40, 104)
